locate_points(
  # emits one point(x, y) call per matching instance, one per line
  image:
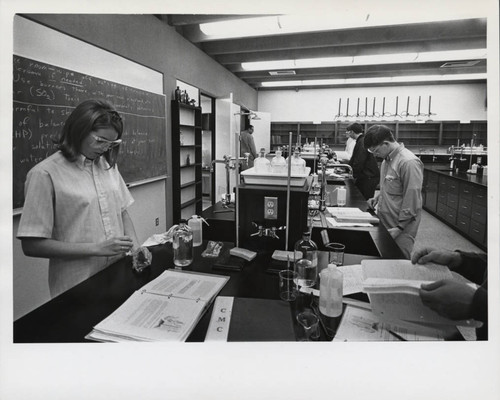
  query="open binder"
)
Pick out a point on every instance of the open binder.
point(166, 309)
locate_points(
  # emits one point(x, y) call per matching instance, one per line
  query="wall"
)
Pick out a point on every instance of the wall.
point(449, 102)
point(147, 41)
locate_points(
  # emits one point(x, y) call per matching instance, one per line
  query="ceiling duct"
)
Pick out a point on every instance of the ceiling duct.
point(282, 73)
point(459, 64)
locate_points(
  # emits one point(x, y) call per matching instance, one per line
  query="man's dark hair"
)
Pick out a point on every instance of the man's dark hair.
point(377, 134)
point(355, 127)
point(250, 126)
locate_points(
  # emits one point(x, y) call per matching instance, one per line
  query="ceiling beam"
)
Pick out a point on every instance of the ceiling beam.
point(473, 28)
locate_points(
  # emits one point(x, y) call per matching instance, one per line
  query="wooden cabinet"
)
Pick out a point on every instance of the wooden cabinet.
point(431, 133)
point(461, 204)
point(187, 195)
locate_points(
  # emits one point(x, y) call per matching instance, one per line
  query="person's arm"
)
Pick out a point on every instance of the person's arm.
point(50, 248)
point(372, 203)
point(411, 174)
point(252, 147)
point(449, 298)
point(129, 230)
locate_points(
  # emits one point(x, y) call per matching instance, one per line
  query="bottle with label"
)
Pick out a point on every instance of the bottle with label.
point(262, 164)
point(331, 291)
point(195, 223)
point(278, 163)
point(306, 261)
point(182, 243)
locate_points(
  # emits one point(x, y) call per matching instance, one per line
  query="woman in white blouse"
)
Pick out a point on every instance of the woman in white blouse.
point(75, 212)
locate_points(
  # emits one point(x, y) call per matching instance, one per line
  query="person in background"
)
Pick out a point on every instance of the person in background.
point(350, 143)
point(75, 209)
point(399, 201)
point(247, 145)
point(363, 163)
point(454, 299)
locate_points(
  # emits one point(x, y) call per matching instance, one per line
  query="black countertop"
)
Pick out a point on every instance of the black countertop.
point(443, 169)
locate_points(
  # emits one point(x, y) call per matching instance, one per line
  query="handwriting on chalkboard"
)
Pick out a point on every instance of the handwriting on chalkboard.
point(44, 96)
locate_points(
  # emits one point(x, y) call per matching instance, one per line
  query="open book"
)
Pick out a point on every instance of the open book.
point(166, 309)
point(393, 289)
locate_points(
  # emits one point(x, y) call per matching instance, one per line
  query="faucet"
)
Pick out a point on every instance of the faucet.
point(267, 232)
point(434, 158)
point(229, 163)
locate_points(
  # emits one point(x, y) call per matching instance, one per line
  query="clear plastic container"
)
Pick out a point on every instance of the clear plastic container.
point(182, 243)
point(261, 164)
point(278, 163)
point(195, 223)
point(331, 283)
point(306, 261)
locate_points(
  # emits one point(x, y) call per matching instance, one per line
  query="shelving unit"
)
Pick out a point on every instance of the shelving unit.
point(186, 161)
point(432, 133)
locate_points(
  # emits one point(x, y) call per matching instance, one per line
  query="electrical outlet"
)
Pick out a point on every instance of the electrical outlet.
point(157, 221)
point(270, 207)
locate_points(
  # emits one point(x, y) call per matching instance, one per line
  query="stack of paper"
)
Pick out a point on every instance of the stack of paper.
point(393, 289)
point(350, 216)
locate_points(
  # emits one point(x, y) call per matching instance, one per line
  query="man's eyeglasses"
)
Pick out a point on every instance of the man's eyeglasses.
point(375, 149)
point(105, 142)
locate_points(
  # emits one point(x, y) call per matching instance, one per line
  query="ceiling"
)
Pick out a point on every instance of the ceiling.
point(413, 37)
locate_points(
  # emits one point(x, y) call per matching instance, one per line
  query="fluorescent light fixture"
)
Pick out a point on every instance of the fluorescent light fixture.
point(340, 19)
point(377, 59)
point(388, 79)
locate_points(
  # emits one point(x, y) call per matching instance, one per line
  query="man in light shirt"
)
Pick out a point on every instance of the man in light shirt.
point(399, 201)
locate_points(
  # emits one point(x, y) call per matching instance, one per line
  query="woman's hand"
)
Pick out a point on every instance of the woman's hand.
point(114, 246)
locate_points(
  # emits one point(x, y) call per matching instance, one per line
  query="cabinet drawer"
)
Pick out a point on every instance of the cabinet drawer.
point(477, 231)
point(452, 186)
point(441, 210)
point(463, 223)
point(479, 196)
point(479, 213)
point(451, 215)
point(442, 197)
point(452, 201)
point(466, 191)
point(465, 207)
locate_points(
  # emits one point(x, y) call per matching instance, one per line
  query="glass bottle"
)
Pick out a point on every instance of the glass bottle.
point(306, 260)
point(262, 164)
point(177, 94)
point(182, 243)
point(480, 167)
point(278, 163)
point(298, 163)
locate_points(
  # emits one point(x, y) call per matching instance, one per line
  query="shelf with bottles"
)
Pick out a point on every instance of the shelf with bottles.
point(186, 160)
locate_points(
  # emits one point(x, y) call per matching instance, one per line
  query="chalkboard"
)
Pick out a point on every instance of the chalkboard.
point(43, 97)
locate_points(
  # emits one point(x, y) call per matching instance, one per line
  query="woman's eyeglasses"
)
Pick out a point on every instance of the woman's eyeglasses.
point(105, 142)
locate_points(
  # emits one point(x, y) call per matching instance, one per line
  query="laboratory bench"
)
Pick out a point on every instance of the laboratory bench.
point(70, 316)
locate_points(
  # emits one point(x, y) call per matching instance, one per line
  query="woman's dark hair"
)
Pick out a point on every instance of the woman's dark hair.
point(87, 117)
point(377, 134)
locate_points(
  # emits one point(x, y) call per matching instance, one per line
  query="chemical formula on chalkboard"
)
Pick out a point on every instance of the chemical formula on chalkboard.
point(44, 96)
